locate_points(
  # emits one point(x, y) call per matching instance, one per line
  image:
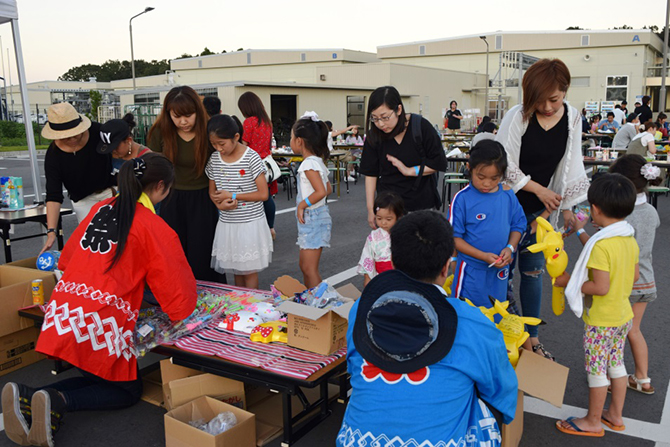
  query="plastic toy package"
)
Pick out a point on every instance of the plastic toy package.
point(154, 327)
point(222, 422)
point(322, 296)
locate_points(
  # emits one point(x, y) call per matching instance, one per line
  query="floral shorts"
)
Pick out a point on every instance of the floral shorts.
point(603, 349)
point(315, 232)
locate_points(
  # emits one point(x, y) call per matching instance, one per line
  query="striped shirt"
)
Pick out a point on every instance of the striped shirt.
point(237, 177)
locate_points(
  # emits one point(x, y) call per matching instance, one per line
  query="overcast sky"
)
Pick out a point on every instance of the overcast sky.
point(60, 34)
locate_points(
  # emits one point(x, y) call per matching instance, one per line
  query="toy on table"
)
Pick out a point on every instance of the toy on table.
point(511, 326)
point(242, 321)
point(550, 243)
point(269, 332)
point(154, 326)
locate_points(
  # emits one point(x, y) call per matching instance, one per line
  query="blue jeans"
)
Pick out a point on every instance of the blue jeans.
point(91, 392)
point(531, 266)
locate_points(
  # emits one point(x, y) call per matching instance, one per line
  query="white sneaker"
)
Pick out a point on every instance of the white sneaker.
point(351, 179)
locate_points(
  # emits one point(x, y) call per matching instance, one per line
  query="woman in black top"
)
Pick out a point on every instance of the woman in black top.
point(644, 111)
point(391, 160)
point(72, 162)
point(453, 118)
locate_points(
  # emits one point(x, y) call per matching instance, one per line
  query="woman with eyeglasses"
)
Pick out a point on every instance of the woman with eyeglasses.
point(397, 158)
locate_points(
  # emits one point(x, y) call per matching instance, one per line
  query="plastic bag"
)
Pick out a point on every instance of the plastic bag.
point(222, 422)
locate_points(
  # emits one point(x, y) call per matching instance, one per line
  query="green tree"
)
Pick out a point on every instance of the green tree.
point(96, 100)
point(206, 52)
point(573, 28)
point(81, 73)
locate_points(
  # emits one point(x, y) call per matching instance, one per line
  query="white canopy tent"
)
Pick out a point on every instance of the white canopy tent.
point(10, 13)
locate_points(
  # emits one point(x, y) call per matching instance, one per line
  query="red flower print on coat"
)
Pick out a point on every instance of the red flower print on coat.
point(242, 172)
point(371, 373)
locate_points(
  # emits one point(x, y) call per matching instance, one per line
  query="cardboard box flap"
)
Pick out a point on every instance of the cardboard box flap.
point(542, 378)
point(289, 286)
point(343, 310)
point(190, 388)
point(301, 310)
point(170, 371)
point(349, 291)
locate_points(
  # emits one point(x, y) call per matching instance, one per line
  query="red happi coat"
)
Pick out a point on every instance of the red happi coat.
point(90, 318)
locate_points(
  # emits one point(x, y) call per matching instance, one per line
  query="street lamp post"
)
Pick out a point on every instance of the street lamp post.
point(132, 54)
point(486, 106)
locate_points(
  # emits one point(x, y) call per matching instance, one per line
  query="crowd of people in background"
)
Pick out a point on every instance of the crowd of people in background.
point(198, 196)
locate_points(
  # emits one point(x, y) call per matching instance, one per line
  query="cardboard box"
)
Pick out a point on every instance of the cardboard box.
point(178, 432)
point(538, 377)
point(18, 350)
point(312, 329)
point(29, 263)
point(182, 385)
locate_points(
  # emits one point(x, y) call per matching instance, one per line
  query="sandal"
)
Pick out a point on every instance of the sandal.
point(575, 430)
point(636, 384)
point(543, 352)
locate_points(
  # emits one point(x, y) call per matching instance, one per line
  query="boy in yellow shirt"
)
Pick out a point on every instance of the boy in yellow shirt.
point(611, 257)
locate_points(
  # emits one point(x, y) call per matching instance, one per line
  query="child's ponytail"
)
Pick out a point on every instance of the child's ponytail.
point(314, 133)
point(135, 176)
point(637, 170)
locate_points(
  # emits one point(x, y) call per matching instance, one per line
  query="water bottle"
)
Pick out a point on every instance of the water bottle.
point(48, 261)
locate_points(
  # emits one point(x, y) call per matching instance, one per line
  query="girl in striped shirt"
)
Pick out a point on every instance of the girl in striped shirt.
point(242, 243)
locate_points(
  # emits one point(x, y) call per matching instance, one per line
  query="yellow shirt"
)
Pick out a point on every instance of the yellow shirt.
point(617, 256)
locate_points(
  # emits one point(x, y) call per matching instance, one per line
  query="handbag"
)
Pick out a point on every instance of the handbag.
point(272, 171)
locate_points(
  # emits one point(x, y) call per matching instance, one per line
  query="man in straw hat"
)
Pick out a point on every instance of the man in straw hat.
point(425, 369)
point(72, 162)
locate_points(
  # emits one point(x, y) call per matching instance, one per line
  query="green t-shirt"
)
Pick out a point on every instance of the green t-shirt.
point(185, 176)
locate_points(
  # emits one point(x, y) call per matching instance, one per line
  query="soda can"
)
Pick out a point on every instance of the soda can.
point(38, 291)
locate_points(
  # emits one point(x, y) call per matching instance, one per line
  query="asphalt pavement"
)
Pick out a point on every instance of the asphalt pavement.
point(647, 417)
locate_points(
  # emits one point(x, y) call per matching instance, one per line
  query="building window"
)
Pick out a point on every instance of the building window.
point(617, 88)
point(147, 98)
point(248, 58)
point(586, 40)
point(303, 57)
point(499, 42)
point(422, 49)
point(207, 92)
point(580, 81)
point(200, 64)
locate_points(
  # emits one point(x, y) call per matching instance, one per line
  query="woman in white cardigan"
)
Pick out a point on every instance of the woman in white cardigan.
point(542, 138)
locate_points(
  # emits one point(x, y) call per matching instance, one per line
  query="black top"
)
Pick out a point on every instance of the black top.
point(81, 173)
point(453, 123)
point(541, 152)
point(644, 113)
point(375, 164)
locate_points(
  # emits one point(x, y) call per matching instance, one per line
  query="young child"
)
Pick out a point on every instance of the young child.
point(309, 137)
point(488, 223)
point(645, 221)
point(605, 271)
point(237, 186)
point(376, 256)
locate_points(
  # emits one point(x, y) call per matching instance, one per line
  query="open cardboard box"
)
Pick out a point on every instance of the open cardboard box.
point(179, 433)
point(182, 385)
point(18, 335)
point(28, 263)
point(312, 329)
point(538, 377)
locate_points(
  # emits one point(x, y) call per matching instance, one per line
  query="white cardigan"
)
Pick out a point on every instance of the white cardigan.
point(569, 179)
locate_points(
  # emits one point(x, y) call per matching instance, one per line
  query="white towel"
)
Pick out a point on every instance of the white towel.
point(580, 273)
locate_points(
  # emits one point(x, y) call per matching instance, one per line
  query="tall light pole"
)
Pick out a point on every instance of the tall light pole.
point(132, 54)
point(661, 102)
point(486, 106)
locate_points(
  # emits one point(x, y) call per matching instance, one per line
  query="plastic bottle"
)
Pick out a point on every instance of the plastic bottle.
point(4, 192)
point(48, 261)
point(274, 143)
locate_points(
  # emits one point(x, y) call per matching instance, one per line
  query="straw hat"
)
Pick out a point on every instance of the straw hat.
point(64, 122)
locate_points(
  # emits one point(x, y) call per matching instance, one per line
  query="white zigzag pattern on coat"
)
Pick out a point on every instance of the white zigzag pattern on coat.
point(97, 295)
point(88, 327)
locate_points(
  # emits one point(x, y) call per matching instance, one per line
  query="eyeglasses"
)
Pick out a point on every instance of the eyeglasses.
point(381, 118)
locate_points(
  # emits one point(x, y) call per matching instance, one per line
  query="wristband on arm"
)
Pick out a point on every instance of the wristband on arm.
point(580, 232)
point(511, 248)
point(307, 201)
point(416, 170)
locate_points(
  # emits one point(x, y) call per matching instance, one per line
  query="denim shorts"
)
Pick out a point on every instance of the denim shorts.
point(315, 232)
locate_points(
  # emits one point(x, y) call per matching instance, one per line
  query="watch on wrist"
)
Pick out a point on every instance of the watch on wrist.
point(51, 230)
